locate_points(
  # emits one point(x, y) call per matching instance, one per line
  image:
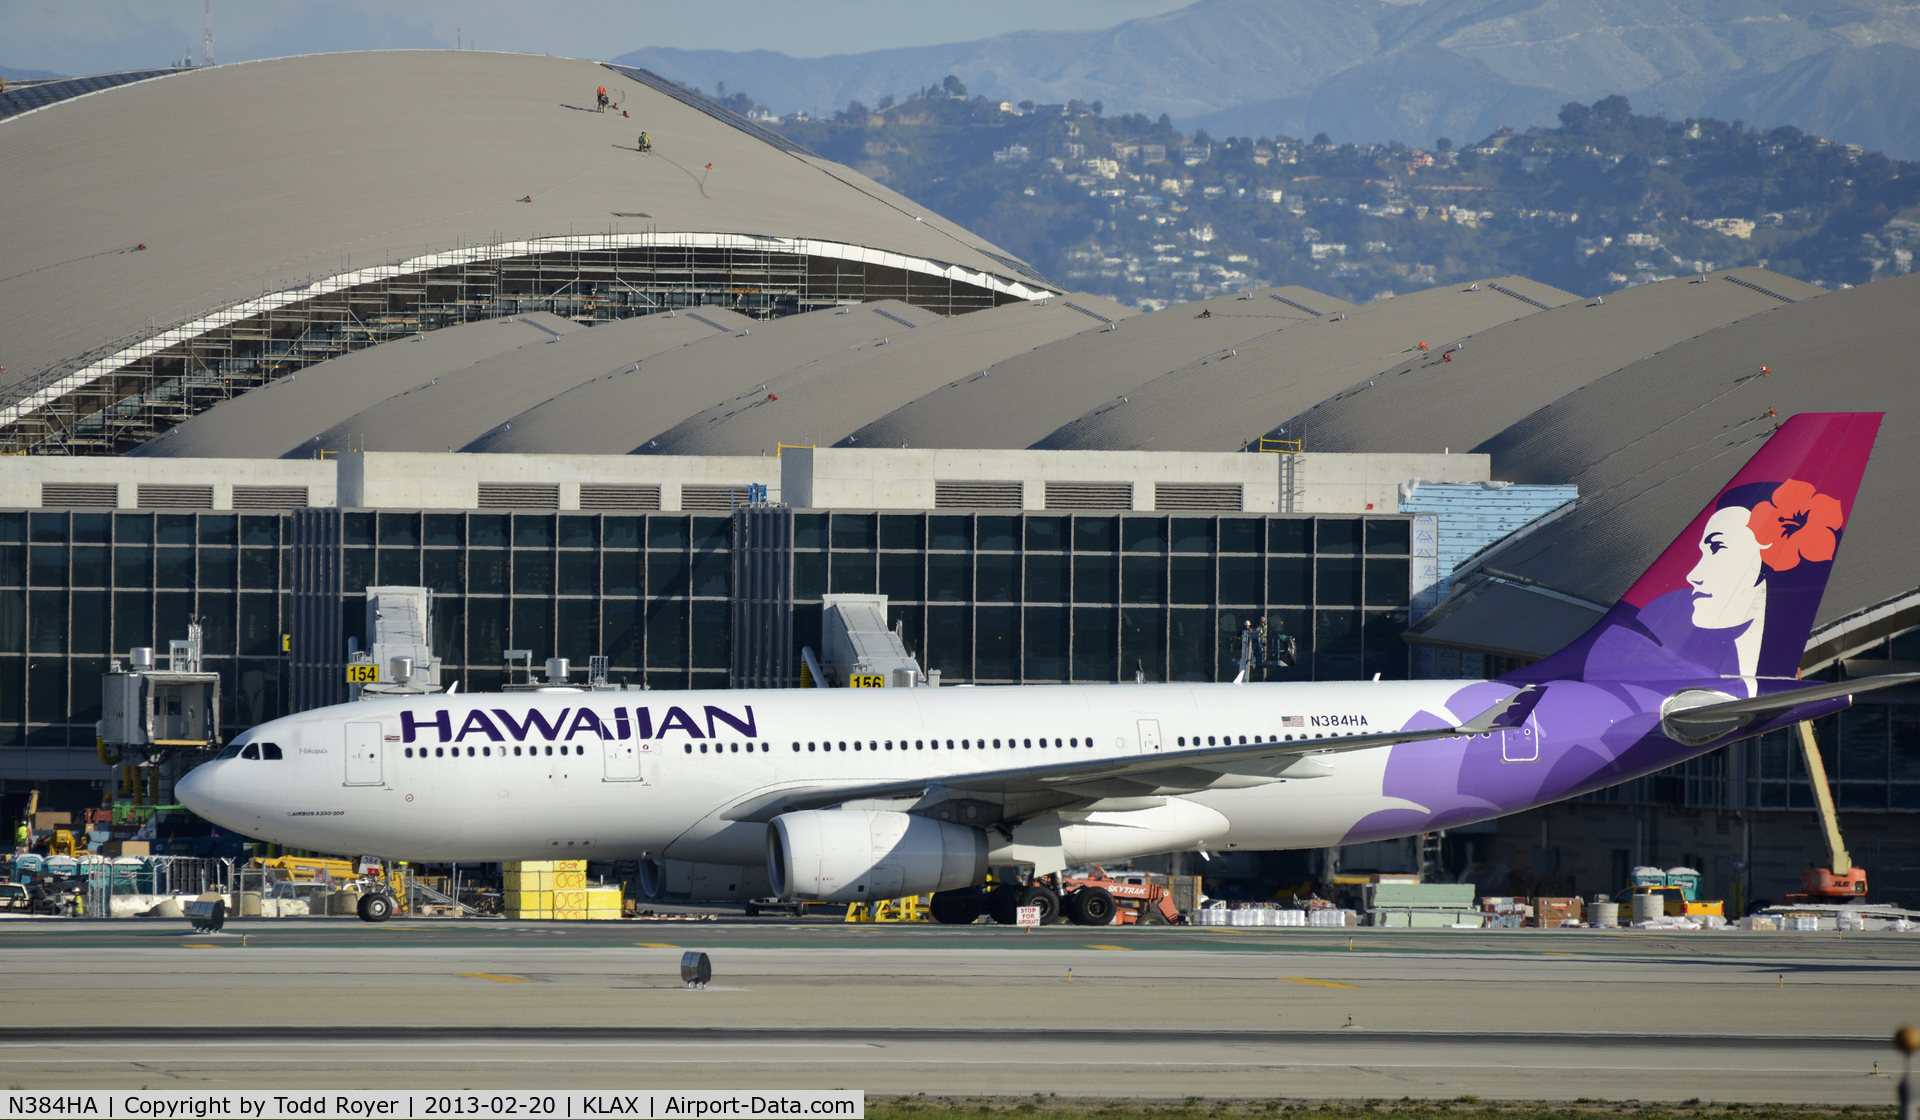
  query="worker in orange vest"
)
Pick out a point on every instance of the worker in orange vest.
point(601, 96)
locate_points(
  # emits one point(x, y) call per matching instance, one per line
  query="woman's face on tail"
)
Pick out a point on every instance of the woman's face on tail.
point(1726, 590)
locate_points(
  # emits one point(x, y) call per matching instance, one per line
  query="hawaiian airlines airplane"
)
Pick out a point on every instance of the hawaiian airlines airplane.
point(848, 795)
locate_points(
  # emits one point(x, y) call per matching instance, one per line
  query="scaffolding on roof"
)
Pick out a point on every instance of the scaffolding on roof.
point(121, 395)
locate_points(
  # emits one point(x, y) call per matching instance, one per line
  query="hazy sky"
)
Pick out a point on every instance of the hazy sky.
point(97, 36)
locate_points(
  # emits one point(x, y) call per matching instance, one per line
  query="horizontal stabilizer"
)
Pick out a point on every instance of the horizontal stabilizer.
point(1710, 721)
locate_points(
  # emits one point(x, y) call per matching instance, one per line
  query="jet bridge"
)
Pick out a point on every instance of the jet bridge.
point(859, 651)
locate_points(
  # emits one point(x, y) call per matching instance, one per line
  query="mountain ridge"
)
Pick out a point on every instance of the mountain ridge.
point(1256, 67)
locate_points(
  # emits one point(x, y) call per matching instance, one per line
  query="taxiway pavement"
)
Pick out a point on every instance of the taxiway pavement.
point(1217, 1013)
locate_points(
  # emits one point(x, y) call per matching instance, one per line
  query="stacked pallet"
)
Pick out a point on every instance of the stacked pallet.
point(557, 889)
point(528, 889)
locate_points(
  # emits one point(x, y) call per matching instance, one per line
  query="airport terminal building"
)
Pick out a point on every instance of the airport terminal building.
point(658, 407)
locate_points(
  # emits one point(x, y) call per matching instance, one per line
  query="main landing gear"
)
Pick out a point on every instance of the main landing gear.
point(1001, 903)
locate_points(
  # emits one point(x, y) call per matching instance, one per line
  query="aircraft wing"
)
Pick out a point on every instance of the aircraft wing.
point(1159, 772)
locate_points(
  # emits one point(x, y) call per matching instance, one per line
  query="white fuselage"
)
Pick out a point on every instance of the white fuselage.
point(654, 774)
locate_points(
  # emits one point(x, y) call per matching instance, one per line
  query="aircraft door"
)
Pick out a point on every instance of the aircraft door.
point(623, 760)
point(1149, 736)
point(365, 744)
point(1521, 744)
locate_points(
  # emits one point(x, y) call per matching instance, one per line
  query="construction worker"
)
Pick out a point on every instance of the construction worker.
point(22, 837)
point(601, 98)
point(646, 142)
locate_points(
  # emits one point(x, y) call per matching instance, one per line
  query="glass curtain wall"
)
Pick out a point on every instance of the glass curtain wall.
point(1048, 597)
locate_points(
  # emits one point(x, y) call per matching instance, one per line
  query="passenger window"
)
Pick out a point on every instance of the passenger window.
point(996, 744)
point(516, 752)
point(689, 748)
point(409, 752)
point(1210, 740)
point(1029, 743)
point(439, 752)
point(963, 744)
point(252, 751)
point(549, 749)
point(469, 752)
point(796, 748)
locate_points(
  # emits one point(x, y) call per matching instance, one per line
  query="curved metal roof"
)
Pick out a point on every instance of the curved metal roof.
point(1018, 401)
point(1650, 444)
point(1508, 371)
point(282, 420)
point(1234, 395)
point(804, 379)
point(164, 206)
point(831, 396)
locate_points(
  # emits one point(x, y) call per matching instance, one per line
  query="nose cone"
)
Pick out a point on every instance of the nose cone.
point(195, 789)
point(213, 791)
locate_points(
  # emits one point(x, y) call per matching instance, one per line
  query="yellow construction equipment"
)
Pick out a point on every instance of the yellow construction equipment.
point(913, 908)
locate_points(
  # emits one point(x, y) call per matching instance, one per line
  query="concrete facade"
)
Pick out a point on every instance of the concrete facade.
point(806, 478)
point(421, 480)
point(908, 478)
point(24, 480)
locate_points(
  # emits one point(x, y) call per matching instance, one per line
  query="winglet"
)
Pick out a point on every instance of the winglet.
point(1492, 719)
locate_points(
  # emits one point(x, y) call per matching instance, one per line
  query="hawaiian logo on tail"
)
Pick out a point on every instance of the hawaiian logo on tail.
point(1736, 593)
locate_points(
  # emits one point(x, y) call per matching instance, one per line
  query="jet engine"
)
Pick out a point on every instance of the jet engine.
point(836, 855)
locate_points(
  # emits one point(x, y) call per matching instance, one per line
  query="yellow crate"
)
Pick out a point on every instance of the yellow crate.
point(569, 900)
point(603, 915)
point(528, 881)
point(528, 900)
point(531, 865)
point(603, 898)
point(569, 865)
point(569, 880)
point(541, 915)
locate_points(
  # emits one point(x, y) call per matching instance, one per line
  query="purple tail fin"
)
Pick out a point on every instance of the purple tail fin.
point(1736, 592)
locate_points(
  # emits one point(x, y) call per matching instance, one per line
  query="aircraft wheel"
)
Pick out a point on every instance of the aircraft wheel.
point(1091, 906)
point(960, 907)
point(1045, 899)
point(375, 907)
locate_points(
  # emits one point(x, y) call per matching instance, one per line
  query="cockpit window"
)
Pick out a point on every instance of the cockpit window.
point(270, 751)
point(252, 751)
point(232, 751)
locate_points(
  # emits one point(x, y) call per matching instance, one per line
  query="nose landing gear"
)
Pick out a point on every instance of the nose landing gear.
point(376, 906)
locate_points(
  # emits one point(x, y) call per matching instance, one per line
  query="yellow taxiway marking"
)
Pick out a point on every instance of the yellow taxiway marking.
point(496, 979)
point(655, 945)
point(1113, 948)
point(1316, 983)
point(199, 945)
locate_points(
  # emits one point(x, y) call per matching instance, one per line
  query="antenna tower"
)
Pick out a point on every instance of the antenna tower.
point(206, 38)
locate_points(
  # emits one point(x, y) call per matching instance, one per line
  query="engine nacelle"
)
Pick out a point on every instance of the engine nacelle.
point(837, 855)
